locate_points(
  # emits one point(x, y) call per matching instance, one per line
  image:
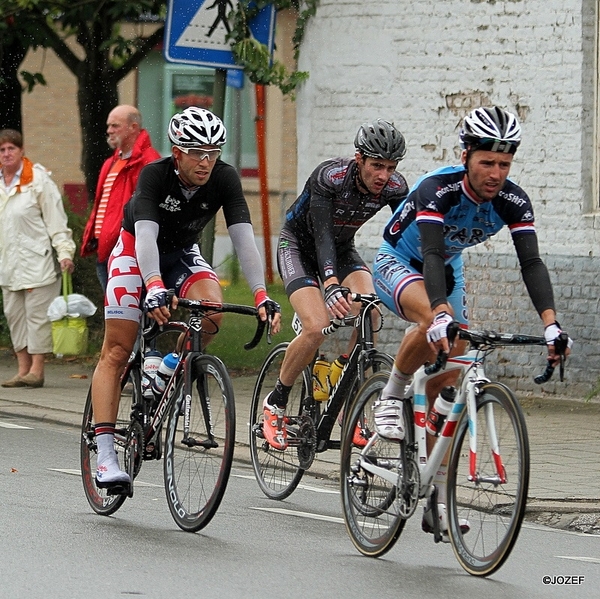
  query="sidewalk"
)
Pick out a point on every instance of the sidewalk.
point(564, 434)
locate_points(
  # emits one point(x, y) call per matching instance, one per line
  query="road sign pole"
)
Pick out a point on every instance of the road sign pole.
point(218, 107)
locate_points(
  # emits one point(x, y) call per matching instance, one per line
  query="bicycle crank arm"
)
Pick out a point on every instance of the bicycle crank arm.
point(382, 471)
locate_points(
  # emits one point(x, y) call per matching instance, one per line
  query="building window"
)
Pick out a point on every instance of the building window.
point(164, 89)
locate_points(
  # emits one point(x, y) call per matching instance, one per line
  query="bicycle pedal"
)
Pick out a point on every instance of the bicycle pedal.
point(117, 489)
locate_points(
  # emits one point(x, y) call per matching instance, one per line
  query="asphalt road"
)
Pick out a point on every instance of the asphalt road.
point(53, 546)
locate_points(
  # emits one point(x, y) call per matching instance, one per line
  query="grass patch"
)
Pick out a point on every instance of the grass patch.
point(236, 330)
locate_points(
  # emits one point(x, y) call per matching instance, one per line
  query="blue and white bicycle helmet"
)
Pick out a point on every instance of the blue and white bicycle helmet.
point(492, 129)
point(195, 127)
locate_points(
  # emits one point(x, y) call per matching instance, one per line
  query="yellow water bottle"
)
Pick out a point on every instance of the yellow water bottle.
point(336, 369)
point(320, 371)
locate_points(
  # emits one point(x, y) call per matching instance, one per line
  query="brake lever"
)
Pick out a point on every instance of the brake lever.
point(560, 347)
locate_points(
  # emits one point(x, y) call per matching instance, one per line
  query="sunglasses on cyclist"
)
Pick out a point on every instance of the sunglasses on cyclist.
point(200, 155)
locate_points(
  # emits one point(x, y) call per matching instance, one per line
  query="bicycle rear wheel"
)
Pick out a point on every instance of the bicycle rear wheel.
point(278, 473)
point(370, 510)
point(197, 464)
point(494, 504)
point(99, 500)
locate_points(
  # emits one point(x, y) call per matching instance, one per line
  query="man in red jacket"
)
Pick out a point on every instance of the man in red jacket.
point(116, 183)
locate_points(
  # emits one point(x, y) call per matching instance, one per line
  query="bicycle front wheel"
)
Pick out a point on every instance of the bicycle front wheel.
point(278, 473)
point(198, 458)
point(370, 475)
point(488, 490)
point(99, 500)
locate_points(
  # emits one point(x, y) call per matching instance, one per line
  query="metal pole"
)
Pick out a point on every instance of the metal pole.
point(207, 242)
point(262, 174)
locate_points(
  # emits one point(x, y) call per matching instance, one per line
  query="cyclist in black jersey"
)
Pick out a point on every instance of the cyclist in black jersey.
point(418, 270)
point(174, 199)
point(316, 246)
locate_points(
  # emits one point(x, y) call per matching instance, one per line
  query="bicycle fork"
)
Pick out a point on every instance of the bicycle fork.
point(475, 476)
point(204, 397)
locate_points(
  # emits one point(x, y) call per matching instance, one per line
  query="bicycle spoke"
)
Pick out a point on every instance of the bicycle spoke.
point(198, 460)
point(371, 512)
point(493, 507)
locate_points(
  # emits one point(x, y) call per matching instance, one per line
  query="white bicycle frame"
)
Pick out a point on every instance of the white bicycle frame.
point(473, 375)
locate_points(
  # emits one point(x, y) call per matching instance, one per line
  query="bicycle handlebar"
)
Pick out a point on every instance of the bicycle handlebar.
point(489, 339)
point(560, 346)
point(204, 307)
point(365, 299)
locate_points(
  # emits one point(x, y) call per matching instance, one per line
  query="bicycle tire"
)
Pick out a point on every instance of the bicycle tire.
point(99, 500)
point(278, 473)
point(196, 473)
point(370, 512)
point(494, 511)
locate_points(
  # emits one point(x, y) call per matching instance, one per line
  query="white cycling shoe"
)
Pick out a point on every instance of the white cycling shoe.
point(389, 418)
point(427, 522)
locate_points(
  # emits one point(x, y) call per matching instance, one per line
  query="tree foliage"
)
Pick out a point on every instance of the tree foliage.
point(254, 56)
point(87, 36)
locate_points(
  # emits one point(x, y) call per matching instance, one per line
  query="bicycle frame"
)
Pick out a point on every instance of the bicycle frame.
point(362, 350)
point(471, 366)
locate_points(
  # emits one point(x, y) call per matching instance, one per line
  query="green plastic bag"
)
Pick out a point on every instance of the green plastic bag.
point(69, 334)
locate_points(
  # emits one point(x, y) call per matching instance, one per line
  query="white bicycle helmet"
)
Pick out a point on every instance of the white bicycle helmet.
point(195, 127)
point(492, 129)
point(380, 139)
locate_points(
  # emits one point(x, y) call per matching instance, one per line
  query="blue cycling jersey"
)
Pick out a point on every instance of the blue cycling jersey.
point(440, 197)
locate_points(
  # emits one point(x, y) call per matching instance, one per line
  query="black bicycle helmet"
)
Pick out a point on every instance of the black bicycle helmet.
point(195, 127)
point(492, 129)
point(380, 139)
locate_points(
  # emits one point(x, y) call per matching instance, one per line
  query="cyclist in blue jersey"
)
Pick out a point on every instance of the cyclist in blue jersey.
point(316, 246)
point(418, 271)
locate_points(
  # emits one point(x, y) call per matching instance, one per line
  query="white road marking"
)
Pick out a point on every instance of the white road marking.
point(10, 425)
point(75, 472)
point(299, 514)
point(593, 560)
point(300, 486)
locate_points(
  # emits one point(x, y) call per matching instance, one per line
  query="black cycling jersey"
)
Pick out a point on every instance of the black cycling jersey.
point(331, 208)
point(159, 198)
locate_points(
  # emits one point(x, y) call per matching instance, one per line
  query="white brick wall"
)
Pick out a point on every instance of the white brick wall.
point(424, 65)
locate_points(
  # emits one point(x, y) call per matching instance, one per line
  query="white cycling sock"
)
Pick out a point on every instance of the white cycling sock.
point(396, 384)
point(108, 470)
point(106, 447)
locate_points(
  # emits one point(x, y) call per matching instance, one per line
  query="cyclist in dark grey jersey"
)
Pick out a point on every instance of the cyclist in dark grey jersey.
point(157, 250)
point(418, 270)
point(316, 247)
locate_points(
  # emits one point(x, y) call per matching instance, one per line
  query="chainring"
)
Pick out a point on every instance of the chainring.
point(407, 497)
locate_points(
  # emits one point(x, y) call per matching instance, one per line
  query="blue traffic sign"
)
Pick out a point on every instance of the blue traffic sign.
point(196, 30)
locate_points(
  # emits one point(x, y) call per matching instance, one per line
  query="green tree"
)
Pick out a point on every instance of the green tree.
point(87, 36)
point(16, 37)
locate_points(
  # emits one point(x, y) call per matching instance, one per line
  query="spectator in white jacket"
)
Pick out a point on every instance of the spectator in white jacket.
point(34, 241)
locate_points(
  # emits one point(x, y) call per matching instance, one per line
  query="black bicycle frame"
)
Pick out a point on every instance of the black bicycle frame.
point(340, 393)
